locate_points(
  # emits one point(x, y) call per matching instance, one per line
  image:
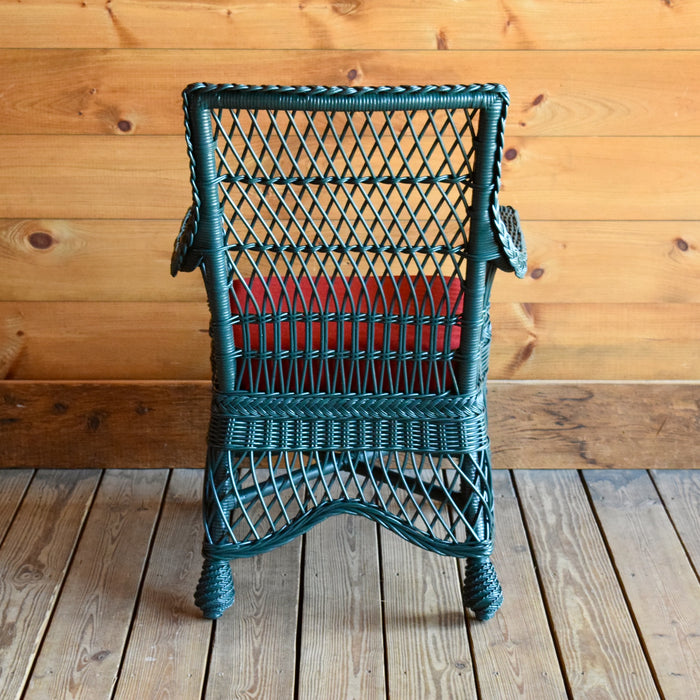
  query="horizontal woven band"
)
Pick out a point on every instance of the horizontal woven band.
point(413, 423)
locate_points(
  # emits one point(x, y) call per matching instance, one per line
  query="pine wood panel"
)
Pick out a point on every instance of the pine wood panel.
point(98, 176)
point(341, 593)
point(514, 653)
point(35, 555)
point(636, 178)
point(657, 577)
point(681, 496)
point(601, 654)
point(533, 424)
point(164, 341)
point(97, 599)
point(169, 641)
point(261, 628)
point(607, 261)
point(91, 260)
point(125, 91)
point(421, 590)
point(569, 261)
point(320, 24)
point(644, 178)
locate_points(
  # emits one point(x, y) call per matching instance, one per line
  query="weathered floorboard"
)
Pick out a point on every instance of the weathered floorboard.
point(167, 650)
point(262, 628)
point(577, 571)
point(514, 653)
point(35, 555)
point(427, 647)
point(341, 593)
point(595, 635)
point(99, 594)
point(680, 492)
point(657, 577)
point(13, 484)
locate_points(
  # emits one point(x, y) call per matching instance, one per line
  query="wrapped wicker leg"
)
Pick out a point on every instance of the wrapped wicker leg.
point(482, 592)
point(215, 590)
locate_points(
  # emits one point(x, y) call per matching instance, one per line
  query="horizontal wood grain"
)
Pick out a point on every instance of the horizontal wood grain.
point(324, 24)
point(607, 261)
point(563, 93)
point(91, 260)
point(167, 341)
point(569, 261)
point(134, 340)
point(147, 177)
point(548, 425)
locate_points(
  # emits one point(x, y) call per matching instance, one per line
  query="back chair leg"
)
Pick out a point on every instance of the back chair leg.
point(481, 592)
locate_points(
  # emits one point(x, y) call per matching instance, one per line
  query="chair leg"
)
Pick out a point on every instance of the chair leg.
point(215, 592)
point(481, 592)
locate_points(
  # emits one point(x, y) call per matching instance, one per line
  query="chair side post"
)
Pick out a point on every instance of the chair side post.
point(482, 246)
point(211, 240)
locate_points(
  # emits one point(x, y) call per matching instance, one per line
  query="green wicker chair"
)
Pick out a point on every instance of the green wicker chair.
point(348, 238)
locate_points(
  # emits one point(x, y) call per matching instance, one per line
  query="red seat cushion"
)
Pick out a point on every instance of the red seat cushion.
point(326, 307)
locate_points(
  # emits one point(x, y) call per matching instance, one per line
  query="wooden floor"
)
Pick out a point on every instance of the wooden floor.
point(600, 573)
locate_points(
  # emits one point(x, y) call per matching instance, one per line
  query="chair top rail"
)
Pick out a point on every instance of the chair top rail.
point(345, 98)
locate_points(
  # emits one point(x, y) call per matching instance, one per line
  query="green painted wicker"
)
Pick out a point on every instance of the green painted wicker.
point(348, 239)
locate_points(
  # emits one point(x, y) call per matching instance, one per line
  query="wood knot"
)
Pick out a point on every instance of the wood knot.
point(40, 240)
point(511, 154)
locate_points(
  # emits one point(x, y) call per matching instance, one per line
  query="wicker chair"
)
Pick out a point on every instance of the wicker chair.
point(348, 238)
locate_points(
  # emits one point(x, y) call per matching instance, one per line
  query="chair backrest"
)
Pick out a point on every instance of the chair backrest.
point(336, 226)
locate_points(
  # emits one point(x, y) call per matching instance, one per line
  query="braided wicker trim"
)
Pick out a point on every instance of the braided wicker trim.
point(184, 258)
point(511, 241)
point(451, 424)
point(278, 91)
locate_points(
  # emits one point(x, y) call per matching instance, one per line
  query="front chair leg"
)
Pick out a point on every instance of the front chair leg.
point(215, 592)
point(481, 592)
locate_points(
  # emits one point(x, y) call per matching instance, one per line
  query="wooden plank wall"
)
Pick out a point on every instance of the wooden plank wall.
point(601, 159)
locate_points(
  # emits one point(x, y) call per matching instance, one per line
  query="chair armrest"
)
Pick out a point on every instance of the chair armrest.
point(185, 255)
point(511, 241)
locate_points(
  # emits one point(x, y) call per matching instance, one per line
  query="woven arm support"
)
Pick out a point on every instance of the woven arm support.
point(422, 424)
